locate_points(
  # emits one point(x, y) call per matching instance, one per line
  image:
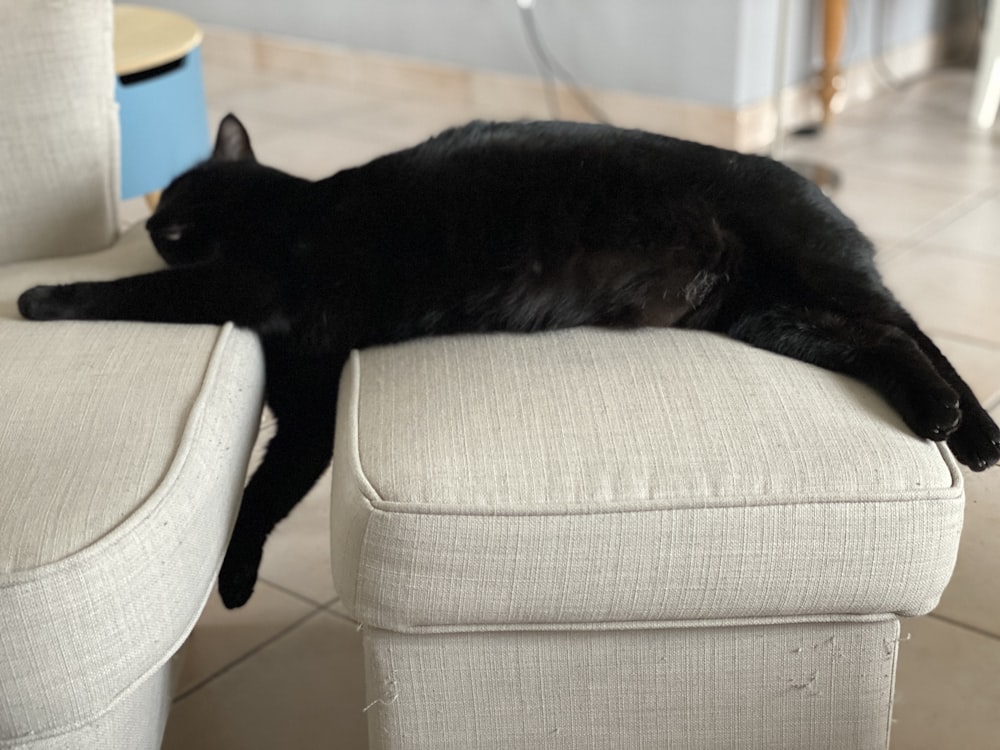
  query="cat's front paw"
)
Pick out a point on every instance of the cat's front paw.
point(976, 443)
point(51, 302)
point(238, 575)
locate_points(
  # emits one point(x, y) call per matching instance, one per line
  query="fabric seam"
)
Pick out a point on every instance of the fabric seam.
point(627, 625)
point(399, 508)
point(358, 470)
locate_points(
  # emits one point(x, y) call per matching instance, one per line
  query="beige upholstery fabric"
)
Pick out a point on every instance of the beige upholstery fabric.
point(823, 686)
point(117, 525)
point(627, 479)
point(135, 722)
point(600, 539)
point(123, 452)
point(58, 129)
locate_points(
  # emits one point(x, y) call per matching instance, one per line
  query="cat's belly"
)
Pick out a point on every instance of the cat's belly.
point(668, 310)
point(658, 300)
point(662, 313)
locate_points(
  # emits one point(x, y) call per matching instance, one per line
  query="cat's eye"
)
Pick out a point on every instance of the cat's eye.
point(173, 233)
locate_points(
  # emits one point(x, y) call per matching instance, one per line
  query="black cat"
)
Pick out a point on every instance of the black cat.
point(513, 227)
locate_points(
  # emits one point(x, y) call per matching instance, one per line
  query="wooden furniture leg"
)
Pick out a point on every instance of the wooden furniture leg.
point(830, 78)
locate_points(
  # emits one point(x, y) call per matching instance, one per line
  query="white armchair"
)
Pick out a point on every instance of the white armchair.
point(123, 447)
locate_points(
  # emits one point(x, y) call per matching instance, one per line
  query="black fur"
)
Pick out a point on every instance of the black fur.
point(513, 227)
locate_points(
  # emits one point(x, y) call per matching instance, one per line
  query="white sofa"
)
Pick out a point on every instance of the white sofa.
point(123, 447)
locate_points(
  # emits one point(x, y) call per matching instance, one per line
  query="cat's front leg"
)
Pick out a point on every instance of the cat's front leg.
point(302, 393)
point(191, 294)
point(63, 302)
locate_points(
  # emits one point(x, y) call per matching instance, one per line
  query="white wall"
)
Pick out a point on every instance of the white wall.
point(712, 51)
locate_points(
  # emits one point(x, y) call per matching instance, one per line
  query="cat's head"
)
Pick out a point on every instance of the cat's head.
point(223, 205)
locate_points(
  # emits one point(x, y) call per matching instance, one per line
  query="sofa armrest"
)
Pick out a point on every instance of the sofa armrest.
point(58, 129)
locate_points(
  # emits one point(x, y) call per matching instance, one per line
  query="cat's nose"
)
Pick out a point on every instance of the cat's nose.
point(168, 233)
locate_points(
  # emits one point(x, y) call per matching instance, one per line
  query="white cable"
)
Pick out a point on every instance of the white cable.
point(551, 70)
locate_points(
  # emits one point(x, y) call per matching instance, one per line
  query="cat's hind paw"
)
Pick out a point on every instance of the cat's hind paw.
point(935, 415)
point(238, 575)
point(976, 442)
point(49, 302)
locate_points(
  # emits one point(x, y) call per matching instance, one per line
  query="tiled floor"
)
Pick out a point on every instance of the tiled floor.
point(286, 670)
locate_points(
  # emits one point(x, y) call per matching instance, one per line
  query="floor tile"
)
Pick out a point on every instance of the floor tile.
point(297, 554)
point(132, 212)
point(408, 120)
point(920, 134)
point(973, 595)
point(886, 207)
point(951, 293)
point(827, 145)
point(340, 610)
point(224, 81)
point(302, 691)
point(977, 362)
point(932, 154)
point(222, 636)
point(947, 692)
point(977, 231)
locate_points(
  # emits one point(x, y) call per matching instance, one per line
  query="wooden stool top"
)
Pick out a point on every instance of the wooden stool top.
point(147, 38)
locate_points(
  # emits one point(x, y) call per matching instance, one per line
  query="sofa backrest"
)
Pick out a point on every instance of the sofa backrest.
point(58, 128)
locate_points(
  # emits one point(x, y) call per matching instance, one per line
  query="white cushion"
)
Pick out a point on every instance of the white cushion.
point(614, 479)
point(59, 129)
point(123, 452)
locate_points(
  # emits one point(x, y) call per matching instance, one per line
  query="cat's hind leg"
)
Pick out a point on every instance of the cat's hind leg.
point(976, 442)
point(881, 355)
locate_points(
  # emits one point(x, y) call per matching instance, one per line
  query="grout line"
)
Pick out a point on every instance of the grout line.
point(964, 626)
point(296, 594)
point(936, 247)
point(964, 338)
point(952, 214)
point(343, 618)
point(967, 205)
point(244, 657)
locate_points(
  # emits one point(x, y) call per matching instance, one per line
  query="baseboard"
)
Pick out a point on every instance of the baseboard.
point(507, 96)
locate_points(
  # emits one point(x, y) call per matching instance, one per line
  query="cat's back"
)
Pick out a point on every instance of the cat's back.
point(546, 142)
point(590, 161)
point(516, 164)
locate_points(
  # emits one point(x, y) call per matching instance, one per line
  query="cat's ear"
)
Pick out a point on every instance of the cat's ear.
point(232, 142)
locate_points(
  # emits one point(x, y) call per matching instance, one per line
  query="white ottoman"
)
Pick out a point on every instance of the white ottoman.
point(599, 539)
